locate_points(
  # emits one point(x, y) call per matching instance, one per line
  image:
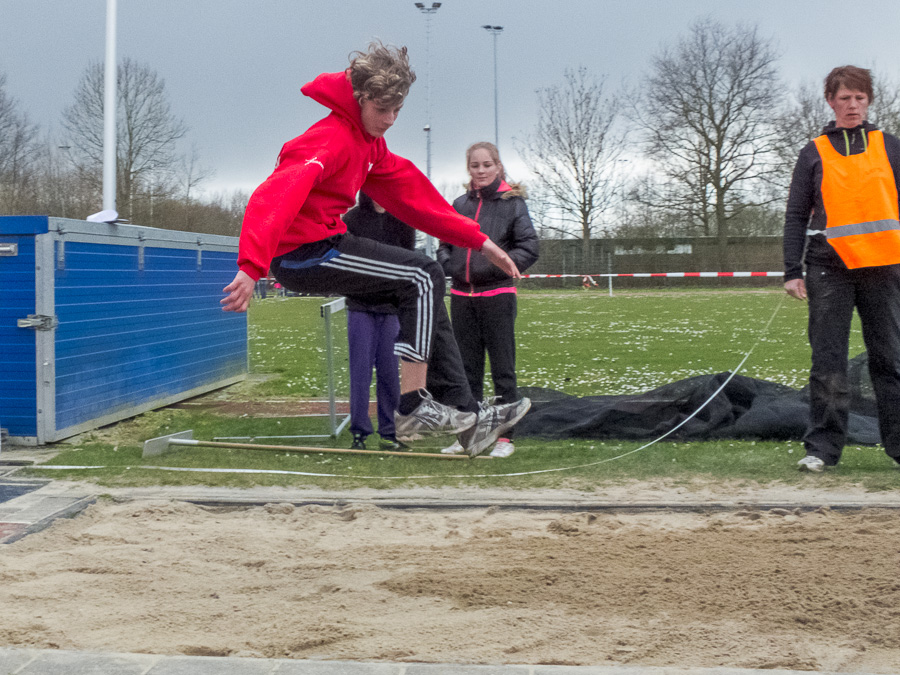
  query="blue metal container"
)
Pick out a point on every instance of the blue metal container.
point(100, 322)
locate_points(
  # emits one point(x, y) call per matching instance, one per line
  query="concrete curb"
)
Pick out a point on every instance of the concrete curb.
point(14, 661)
point(38, 508)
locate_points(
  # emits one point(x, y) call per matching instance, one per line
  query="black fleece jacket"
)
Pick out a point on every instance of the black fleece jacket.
point(364, 221)
point(805, 209)
point(503, 216)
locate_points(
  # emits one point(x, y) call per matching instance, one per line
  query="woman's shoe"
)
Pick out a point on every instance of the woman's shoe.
point(503, 448)
point(455, 449)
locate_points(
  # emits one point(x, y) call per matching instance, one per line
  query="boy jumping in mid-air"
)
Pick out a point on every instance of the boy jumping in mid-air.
point(293, 220)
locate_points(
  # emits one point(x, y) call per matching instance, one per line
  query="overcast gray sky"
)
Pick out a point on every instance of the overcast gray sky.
point(234, 68)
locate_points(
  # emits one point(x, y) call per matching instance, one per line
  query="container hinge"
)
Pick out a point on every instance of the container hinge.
point(38, 322)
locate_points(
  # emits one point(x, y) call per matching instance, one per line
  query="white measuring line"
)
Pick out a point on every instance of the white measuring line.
point(687, 419)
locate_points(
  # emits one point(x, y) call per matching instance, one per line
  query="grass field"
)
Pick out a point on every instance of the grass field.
point(581, 343)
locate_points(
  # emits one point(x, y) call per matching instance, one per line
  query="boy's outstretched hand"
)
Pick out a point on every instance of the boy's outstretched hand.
point(239, 293)
point(498, 257)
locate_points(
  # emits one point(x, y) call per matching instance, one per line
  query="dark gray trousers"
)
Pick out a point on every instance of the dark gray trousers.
point(833, 293)
point(486, 325)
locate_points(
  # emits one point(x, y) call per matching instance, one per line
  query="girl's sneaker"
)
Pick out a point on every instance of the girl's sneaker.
point(389, 443)
point(455, 449)
point(503, 448)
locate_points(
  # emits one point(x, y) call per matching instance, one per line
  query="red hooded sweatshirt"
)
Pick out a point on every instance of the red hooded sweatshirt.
point(318, 175)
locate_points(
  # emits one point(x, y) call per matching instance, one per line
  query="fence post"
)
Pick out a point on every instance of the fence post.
point(609, 268)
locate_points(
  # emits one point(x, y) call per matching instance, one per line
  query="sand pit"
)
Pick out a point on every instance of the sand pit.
point(755, 589)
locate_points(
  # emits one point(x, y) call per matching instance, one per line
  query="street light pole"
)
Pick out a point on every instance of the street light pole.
point(495, 31)
point(428, 12)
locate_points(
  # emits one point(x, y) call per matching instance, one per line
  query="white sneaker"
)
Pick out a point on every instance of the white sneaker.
point(455, 449)
point(503, 448)
point(811, 464)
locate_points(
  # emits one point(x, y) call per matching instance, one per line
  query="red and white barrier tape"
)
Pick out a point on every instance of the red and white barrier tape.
point(705, 275)
point(656, 274)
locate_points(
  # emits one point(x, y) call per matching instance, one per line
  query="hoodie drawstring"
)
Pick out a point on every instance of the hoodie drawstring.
point(865, 140)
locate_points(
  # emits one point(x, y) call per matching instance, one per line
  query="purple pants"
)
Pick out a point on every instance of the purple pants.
point(371, 340)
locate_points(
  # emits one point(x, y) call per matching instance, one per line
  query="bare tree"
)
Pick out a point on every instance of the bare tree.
point(179, 184)
point(572, 152)
point(147, 131)
point(706, 110)
point(659, 207)
point(806, 114)
point(545, 215)
point(19, 152)
point(450, 190)
point(192, 174)
point(885, 108)
point(802, 116)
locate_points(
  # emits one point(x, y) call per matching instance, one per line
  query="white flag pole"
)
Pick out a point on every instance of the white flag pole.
point(109, 111)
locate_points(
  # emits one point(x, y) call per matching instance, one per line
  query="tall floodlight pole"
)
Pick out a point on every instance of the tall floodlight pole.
point(428, 12)
point(495, 31)
point(109, 111)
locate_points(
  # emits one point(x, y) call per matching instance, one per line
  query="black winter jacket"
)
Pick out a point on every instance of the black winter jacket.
point(364, 221)
point(805, 209)
point(503, 216)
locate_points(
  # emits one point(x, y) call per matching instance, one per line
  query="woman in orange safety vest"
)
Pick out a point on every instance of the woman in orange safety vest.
point(843, 211)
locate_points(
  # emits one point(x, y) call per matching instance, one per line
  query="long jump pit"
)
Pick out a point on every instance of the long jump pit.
point(767, 587)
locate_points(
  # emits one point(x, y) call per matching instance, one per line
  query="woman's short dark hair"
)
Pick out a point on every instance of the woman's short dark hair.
point(851, 77)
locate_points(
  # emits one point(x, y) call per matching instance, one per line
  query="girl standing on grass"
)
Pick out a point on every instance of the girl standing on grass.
point(372, 331)
point(482, 296)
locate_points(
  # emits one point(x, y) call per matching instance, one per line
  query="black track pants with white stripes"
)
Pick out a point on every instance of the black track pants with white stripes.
point(374, 273)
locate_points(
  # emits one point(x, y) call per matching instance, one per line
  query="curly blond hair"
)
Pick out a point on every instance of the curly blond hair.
point(381, 74)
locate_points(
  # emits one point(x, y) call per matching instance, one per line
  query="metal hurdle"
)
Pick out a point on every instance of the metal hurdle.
point(335, 425)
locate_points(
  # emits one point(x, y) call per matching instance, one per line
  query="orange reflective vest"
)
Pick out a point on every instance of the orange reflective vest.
point(860, 197)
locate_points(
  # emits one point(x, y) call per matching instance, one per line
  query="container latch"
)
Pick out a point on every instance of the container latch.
point(38, 322)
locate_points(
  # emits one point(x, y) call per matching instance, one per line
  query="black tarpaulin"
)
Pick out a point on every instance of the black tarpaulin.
point(746, 408)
